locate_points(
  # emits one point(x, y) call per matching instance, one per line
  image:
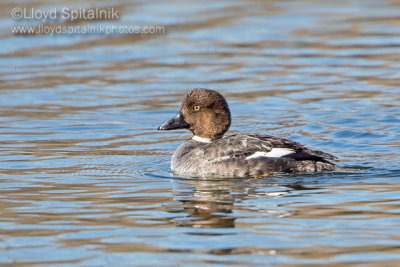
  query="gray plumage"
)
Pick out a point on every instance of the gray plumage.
point(226, 157)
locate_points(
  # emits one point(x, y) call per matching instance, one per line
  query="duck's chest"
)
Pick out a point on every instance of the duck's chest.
point(189, 158)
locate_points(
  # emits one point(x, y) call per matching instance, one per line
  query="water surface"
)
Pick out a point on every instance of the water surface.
point(85, 176)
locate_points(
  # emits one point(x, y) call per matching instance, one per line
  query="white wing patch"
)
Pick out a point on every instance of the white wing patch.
point(274, 153)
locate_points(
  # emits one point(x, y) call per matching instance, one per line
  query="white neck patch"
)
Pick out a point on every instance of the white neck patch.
point(201, 139)
point(274, 153)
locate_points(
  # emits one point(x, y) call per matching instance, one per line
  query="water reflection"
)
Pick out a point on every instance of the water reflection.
point(211, 203)
point(208, 204)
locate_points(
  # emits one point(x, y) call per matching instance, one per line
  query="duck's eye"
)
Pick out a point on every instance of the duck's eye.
point(196, 108)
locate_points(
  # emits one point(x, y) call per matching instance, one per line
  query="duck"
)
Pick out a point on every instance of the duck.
point(208, 153)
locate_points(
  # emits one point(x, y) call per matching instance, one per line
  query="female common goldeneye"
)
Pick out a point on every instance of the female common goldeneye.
point(206, 114)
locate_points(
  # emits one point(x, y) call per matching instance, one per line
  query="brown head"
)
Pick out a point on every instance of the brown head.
point(204, 112)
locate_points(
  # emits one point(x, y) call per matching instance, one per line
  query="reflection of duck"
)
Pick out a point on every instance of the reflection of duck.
point(206, 113)
point(210, 204)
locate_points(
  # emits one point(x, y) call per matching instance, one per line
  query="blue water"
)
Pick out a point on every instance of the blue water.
point(85, 176)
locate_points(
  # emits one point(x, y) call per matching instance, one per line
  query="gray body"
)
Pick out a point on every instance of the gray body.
point(229, 157)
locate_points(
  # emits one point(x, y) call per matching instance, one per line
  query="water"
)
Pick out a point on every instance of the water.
point(85, 176)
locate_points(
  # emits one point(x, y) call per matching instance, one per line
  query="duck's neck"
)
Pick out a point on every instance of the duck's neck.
point(201, 139)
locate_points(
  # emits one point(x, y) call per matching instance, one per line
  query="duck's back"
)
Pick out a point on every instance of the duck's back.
point(246, 155)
